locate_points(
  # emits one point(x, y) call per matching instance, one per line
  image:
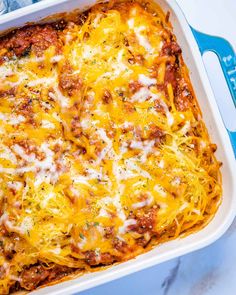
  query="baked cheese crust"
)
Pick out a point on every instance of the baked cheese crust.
point(103, 150)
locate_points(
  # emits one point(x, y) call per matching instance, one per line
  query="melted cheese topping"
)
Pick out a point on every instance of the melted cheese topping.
point(73, 165)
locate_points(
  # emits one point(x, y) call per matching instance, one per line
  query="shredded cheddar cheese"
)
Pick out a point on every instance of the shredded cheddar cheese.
point(103, 151)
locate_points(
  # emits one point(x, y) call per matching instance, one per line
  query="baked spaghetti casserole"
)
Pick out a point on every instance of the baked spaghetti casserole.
point(103, 150)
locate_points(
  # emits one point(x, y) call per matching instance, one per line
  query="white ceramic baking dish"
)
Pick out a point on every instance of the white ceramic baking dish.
point(218, 132)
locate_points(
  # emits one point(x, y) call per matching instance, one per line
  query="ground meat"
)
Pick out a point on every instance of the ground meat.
point(145, 223)
point(15, 288)
point(111, 133)
point(20, 42)
point(92, 258)
point(25, 108)
point(171, 75)
point(30, 148)
point(182, 103)
point(39, 38)
point(69, 82)
point(10, 92)
point(76, 128)
point(183, 97)
point(107, 258)
point(129, 107)
point(126, 42)
point(33, 276)
point(86, 36)
point(8, 242)
point(108, 231)
point(99, 146)
point(142, 242)
point(58, 272)
point(134, 86)
point(159, 107)
point(36, 275)
point(171, 48)
point(60, 25)
point(107, 97)
point(157, 134)
point(213, 147)
point(45, 37)
point(167, 17)
point(82, 17)
point(120, 245)
point(9, 250)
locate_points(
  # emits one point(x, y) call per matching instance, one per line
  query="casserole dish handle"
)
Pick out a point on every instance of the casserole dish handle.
point(227, 57)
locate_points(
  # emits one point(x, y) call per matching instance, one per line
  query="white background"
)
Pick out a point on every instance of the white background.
point(215, 17)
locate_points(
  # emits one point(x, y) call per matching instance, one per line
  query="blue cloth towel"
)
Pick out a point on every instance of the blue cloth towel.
point(15, 4)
